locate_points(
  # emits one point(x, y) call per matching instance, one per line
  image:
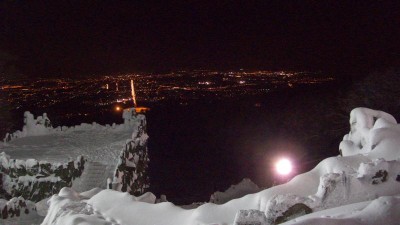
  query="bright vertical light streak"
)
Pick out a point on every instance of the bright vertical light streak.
point(133, 94)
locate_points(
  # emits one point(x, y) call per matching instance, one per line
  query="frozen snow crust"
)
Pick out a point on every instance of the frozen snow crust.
point(360, 187)
point(40, 160)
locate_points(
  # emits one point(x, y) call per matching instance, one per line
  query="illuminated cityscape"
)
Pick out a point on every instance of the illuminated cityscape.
point(180, 87)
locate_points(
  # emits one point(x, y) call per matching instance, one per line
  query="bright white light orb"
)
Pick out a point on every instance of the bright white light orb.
point(284, 166)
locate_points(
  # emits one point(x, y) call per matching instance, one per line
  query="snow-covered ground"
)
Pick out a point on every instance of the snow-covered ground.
point(93, 141)
point(347, 189)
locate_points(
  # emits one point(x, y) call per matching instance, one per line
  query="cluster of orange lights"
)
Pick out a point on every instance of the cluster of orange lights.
point(137, 109)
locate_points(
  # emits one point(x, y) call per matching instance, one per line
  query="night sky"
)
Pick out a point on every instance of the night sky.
point(51, 38)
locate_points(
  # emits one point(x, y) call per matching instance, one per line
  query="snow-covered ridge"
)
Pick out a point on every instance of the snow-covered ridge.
point(363, 173)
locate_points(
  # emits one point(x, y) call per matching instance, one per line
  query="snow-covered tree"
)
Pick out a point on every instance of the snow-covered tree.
point(131, 175)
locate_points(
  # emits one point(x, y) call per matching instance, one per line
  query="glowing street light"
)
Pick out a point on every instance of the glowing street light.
point(284, 166)
point(117, 108)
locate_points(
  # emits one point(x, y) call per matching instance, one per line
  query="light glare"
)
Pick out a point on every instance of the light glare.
point(283, 166)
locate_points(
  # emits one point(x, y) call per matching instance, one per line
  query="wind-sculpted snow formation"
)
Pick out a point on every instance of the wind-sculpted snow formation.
point(360, 186)
point(45, 159)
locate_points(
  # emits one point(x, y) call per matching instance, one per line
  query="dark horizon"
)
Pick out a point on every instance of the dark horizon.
point(47, 38)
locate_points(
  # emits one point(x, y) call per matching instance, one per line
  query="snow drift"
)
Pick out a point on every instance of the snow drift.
point(368, 169)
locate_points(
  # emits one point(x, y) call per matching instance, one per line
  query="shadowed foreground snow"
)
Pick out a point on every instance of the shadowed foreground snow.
point(346, 189)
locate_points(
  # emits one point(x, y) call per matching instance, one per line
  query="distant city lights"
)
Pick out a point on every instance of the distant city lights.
point(205, 83)
point(180, 86)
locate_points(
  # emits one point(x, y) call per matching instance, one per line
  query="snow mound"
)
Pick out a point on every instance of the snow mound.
point(367, 170)
point(70, 207)
point(246, 186)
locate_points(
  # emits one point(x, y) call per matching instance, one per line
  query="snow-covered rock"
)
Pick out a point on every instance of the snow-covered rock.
point(284, 207)
point(246, 186)
point(371, 129)
point(245, 217)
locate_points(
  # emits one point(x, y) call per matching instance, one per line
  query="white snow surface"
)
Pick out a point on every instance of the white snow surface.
point(95, 174)
point(99, 144)
point(340, 190)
